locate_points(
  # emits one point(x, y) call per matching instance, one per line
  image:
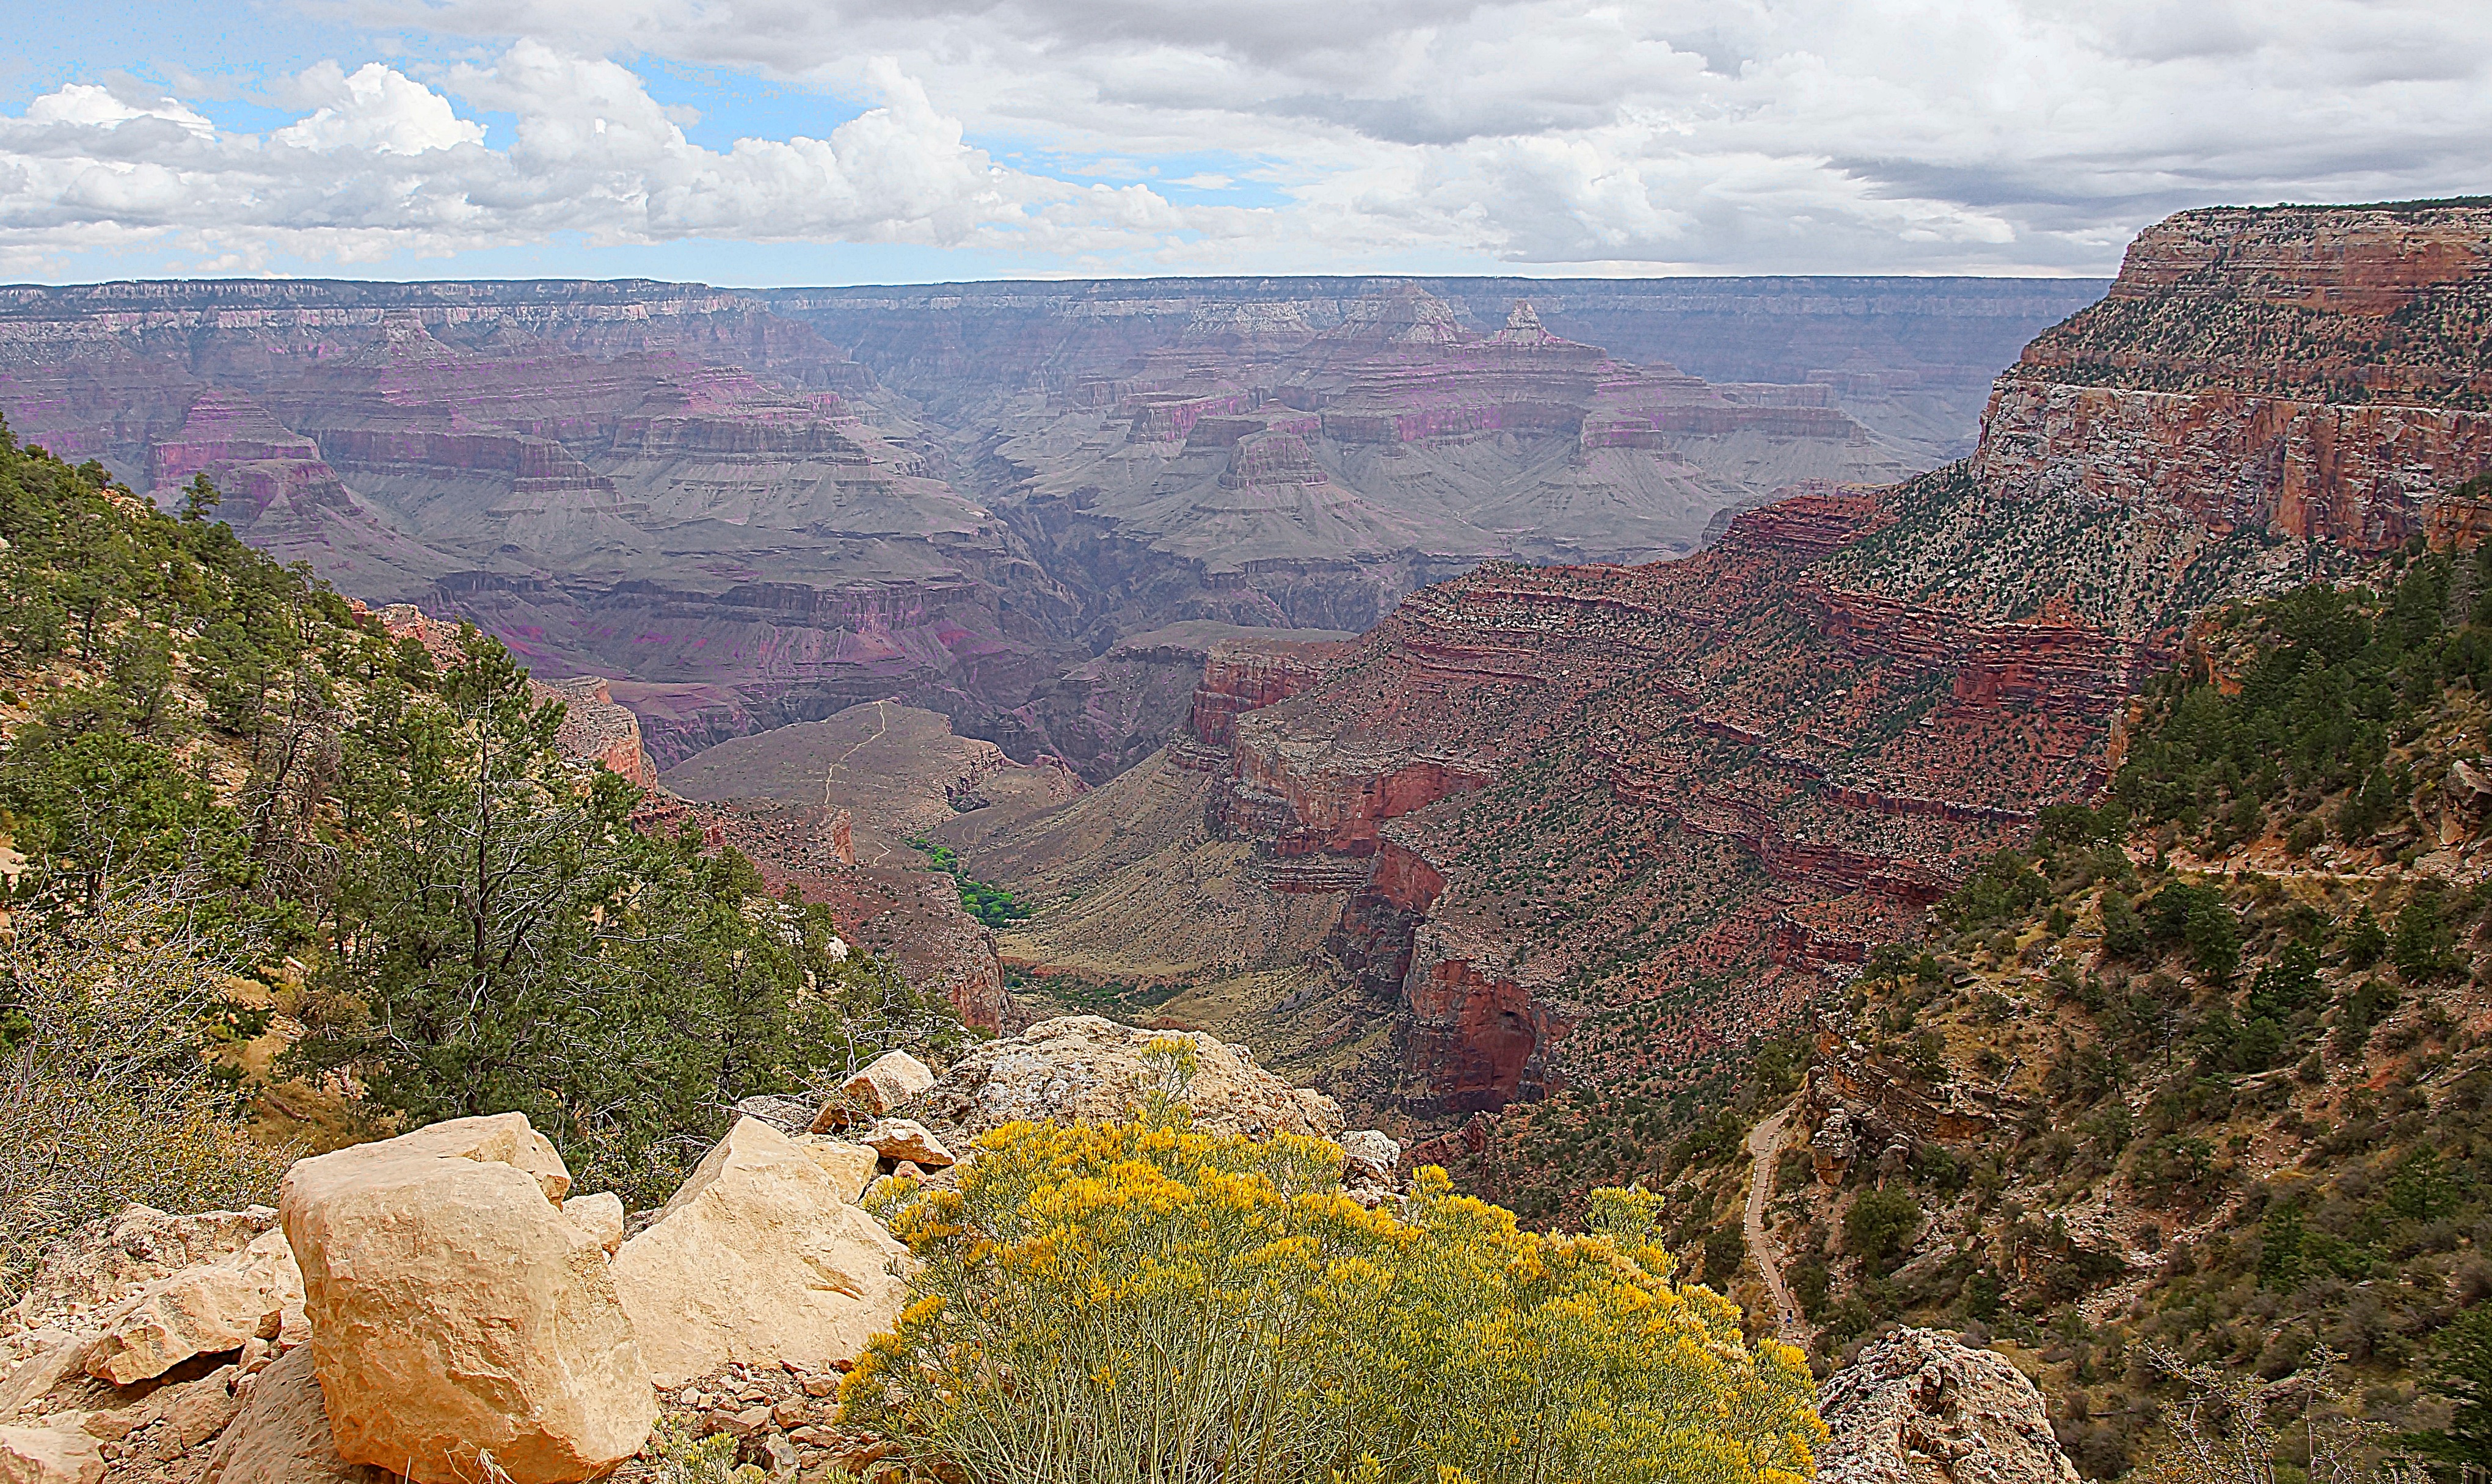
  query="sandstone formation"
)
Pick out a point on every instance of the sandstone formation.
point(1593, 823)
point(906, 1138)
point(1917, 1407)
point(757, 1257)
point(281, 1436)
point(1757, 778)
point(849, 1165)
point(2309, 374)
point(696, 492)
point(1311, 479)
point(1106, 714)
point(49, 1455)
point(457, 1312)
point(135, 1247)
point(1084, 1069)
point(200, 1311)
point(1912, 357)
point(690, 505)
point(601, 1216)
point(890, 1081)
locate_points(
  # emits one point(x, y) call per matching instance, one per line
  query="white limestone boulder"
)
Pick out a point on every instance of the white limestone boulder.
point(758, 1259)
point(457, 1312)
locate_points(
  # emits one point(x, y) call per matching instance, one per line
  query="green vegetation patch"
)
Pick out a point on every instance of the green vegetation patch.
point(988, 903)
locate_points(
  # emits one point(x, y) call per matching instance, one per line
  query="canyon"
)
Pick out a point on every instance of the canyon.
point(1582, 824)
point(745, 509)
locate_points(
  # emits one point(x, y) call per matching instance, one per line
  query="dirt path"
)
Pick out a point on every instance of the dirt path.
point(1764, 1145)
point(882, 725)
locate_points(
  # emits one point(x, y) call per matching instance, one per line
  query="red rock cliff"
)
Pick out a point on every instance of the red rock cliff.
point(2323, 372)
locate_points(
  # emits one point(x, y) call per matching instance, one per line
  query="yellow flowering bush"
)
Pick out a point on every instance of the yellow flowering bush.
point(1145, 1303)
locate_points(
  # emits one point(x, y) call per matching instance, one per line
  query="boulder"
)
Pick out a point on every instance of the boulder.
point(1919, 1407)
point(193, 1412)
point(105, 1261)
point(49, 1455)
point(456, 1312)
point(758, 1259)
point(850, 1166)
point(1370, 1155)
point(892, 1080)
point(600, 1216)
point(200, 1311)
point(502, 1139)
point(899, 1138)
point(51, 1358)
point(281, 1434)
point(1086, 1069)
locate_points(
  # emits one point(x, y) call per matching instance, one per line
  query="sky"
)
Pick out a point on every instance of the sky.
point(764, 143)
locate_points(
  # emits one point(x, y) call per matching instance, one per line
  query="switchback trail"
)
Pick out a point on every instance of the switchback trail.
point(1764, 1143)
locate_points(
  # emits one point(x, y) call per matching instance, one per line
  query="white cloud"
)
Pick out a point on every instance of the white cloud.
point(385, 164)
point(379, 109)
point(1804, 135)
point(86, 105)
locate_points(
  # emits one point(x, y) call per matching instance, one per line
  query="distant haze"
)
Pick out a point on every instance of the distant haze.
point(761, 143)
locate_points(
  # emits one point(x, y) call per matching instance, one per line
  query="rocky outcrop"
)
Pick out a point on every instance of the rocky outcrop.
point(888, 1081)
point(1244, 674)
point(455, 1313)
point(1478, 1038)
point(899, 1140)
point(1917, 1407)
point(49, 1455)
point(595, 729)
point(757, 1257)
point(2359, 476)
point(1861, 1104)
point(111, 1259)
point(851, 1166)
point(201, 1310)
point(1085, 1069)
point(2314, 371)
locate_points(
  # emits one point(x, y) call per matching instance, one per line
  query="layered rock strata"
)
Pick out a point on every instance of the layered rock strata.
point(2313, 372)
point(1591, 821)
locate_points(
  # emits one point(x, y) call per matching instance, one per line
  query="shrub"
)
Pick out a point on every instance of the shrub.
point(1145, 1302)
point(106, 1097)
point(2363, 940)
point(2002, 889)
point(1879, 1226)
point(2420, 947)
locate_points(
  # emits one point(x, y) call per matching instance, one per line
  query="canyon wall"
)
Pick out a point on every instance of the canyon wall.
point(2316, 372)
point(700, 494)
point(1604, 823)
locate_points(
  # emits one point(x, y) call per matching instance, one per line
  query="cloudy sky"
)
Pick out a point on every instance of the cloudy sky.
point(825, 142)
